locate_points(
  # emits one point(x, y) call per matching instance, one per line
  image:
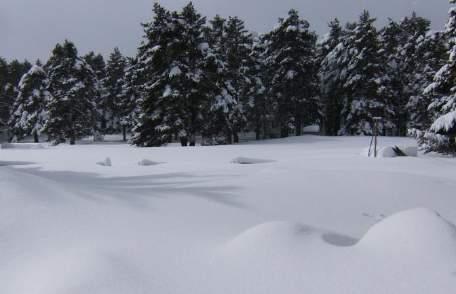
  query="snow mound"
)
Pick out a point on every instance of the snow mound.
point(281, 238)
point(411, 151)
point(246, 160)
point(410, 235)
point(106, 162)
point(147, 162)
point(23, 146)
point(268, 234)
point(418, 233)
point(389, 151)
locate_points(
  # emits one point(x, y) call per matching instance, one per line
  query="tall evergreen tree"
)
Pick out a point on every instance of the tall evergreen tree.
point(29, 114)
point(259, 107)
point(401, 44)
point(13, 73)
point(72, 82)
point(231, 46)
point(98, 65)
point(177, 91)
point(330, 77)
point(366, 86)
point(131, 99)
point(113, 85)
point(430, 56)
point(292, 64)
point(4, 103)
point(442, 133)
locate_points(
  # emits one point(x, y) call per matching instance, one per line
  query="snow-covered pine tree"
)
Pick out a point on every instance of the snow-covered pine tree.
point(441, 135)
point(216, 123)
point(177, 91)
point(4, 105)
point(330, 77)
point(98, 65)
point(231, 46)
point(9, 90)
point(292, 66)
point(130, 98)
point(73, 85)
point(430, 56)
point(113, 85)
point(366, 85)
point(152, 62)
point(28, 115)
point(400, 43)
point(259, 107)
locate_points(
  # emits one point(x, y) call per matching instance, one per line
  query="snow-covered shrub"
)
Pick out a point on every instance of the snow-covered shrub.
point(432, 142)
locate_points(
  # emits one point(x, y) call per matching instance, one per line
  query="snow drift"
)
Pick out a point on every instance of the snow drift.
point(147, 162)
point(401, 254)
point(390, 151)
point(247, 160)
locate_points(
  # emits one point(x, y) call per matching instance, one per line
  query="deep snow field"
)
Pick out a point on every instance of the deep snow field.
point(312, 215)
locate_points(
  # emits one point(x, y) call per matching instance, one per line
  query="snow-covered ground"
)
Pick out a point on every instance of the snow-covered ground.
point(301, 215)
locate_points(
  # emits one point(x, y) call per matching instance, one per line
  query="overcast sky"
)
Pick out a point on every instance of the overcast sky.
point(31, 28)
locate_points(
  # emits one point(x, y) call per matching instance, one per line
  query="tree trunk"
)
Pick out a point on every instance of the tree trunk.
point(258, 132)
point(124, 133)
point(36, 138)
point(236, 138)
point(229, 137)
point(284, 132)
point(192, 141)
point(184, 141)
point(298, 127)
point(72, 140)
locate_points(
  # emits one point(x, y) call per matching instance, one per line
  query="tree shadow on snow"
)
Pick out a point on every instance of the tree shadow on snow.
point(137, 189)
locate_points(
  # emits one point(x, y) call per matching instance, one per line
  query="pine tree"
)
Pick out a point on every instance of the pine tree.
point(152, 61)
point(113, 86)
point(366, 87)
point(177, 90)
point(330, 79)
point(441, 135)
point(231, 45)
point(29, 115)
point(401, 44)
point(13, 73)
point(292, 65)
point(72, 83)
point(130, 98)
point(259, 106)
point(430, 56)
point(4, 103)
point(98, 65)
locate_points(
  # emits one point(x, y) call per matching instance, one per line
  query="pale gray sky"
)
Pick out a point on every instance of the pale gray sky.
point(30, 28)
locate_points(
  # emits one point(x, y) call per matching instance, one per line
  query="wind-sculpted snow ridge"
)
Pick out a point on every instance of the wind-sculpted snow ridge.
point(419, 231)
point(410, 252)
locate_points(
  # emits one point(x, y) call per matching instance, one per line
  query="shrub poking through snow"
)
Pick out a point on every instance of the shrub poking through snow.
point(246, 160)
point(147, 162)
point(106, 162)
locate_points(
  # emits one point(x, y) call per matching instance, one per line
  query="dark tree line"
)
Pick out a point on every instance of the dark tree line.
point(215, 79)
